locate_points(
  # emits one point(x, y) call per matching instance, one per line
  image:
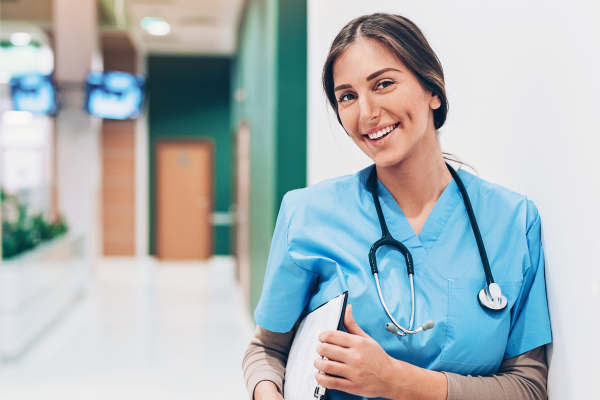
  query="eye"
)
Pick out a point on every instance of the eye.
point(346, 97)
point(385, 84)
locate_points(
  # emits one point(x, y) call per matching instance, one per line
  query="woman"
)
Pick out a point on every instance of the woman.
point(386, 86)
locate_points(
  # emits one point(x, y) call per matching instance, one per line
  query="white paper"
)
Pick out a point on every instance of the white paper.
point(300, 382)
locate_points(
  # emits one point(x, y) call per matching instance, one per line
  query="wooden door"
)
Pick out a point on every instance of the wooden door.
point(184, 192)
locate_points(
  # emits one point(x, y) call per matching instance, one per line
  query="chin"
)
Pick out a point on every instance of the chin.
point(387, 160)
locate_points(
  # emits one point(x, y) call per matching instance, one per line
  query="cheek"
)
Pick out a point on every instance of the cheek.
point(411, 105)
point(349, 120)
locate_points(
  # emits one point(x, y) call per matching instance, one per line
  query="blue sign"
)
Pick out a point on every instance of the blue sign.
point(34, 93)
point(114, 95)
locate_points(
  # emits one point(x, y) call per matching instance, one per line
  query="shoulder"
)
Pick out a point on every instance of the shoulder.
point(328, 195)
point(496, 200)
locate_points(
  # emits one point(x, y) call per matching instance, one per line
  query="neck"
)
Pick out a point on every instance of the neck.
point(418, 181)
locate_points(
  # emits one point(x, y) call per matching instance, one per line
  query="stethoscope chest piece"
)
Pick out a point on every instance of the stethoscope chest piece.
point(492, 298)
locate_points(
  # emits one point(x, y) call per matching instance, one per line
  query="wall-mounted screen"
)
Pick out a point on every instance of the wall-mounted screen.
point(34, 93)
point(114, 95)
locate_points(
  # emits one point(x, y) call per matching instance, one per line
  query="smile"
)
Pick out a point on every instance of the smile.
point(382, 132)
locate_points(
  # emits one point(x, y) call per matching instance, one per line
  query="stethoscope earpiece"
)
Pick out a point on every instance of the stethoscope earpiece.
point(428, 325)
point(492, 298)
point(390, 327)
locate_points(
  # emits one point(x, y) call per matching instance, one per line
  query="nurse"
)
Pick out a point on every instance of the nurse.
point(386, 86)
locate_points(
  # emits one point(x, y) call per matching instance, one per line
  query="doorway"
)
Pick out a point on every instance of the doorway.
point(184, 193)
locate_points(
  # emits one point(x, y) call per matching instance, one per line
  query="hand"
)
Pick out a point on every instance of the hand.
point(359, 363)
point(267, 390)
point(363, 368)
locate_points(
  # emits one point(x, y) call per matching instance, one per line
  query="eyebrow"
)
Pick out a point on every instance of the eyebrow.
point(346, 86)
point(369, 78)
point(381, 71)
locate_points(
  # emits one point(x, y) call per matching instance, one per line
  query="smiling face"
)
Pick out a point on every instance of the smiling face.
point(382, 105)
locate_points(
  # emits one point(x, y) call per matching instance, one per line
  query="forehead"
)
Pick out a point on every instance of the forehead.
point(361, 59)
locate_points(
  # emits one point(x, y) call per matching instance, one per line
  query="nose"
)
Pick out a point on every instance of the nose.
point(369, 111)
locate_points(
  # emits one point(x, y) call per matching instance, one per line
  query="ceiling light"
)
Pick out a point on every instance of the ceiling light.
point(159, 28)
point(147, 20)
point(20, 39)
point(17, 117)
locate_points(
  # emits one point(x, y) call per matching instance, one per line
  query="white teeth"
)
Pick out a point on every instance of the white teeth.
point(381, 133)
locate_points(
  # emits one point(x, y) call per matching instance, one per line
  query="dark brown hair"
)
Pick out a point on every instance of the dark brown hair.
point(406, 41)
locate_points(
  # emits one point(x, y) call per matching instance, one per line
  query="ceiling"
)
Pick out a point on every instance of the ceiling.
point(197, 26)
point(38, 11)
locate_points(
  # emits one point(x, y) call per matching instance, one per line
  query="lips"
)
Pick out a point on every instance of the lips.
point(382, 132)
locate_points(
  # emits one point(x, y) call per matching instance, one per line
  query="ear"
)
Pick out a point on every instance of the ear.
point(434, 101)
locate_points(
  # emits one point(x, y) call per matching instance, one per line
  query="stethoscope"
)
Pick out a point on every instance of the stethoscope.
point(490, 297)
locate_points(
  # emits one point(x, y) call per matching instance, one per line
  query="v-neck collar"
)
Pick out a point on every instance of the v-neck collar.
point(401, 229)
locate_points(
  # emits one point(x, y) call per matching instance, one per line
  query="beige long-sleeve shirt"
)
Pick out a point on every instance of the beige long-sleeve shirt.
point(518, 378)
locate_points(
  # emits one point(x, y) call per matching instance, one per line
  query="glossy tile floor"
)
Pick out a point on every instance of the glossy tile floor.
point(145, 330)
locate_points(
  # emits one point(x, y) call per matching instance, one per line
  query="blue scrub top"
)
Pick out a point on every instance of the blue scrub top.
point(320, 248)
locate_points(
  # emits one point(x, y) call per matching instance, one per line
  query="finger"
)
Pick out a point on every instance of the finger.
point(337, 338)
point(351, 325)
point(333, 352)
point(331, 382)
point(340, 370)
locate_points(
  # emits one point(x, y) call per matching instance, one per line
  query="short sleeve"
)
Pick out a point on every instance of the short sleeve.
point(287, 287)
point(530, 319)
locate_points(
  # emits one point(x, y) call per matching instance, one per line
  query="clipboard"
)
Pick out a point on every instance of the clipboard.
point(299, 381)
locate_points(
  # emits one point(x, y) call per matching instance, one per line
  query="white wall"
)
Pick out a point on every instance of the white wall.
point(523, 84)
point(75, 39)
point(77, 133)
point(142, 167)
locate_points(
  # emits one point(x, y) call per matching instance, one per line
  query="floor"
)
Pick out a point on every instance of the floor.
point(144, 330)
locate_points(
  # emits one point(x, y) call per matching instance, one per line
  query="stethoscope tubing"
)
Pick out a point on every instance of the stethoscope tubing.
point(403, 331)
point(482, 253)
point(388, 240)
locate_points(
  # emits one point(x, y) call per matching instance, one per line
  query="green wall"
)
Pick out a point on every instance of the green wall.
point(292, 89)
point(189, 97)
point(270, 71)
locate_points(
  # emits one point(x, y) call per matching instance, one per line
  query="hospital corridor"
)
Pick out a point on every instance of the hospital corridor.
point(193, 191)
point(145, 330)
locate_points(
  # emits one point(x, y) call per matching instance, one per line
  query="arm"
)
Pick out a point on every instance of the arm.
point(264, 362)
point(522, 377)
point(519, 378)
point(361, 367)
